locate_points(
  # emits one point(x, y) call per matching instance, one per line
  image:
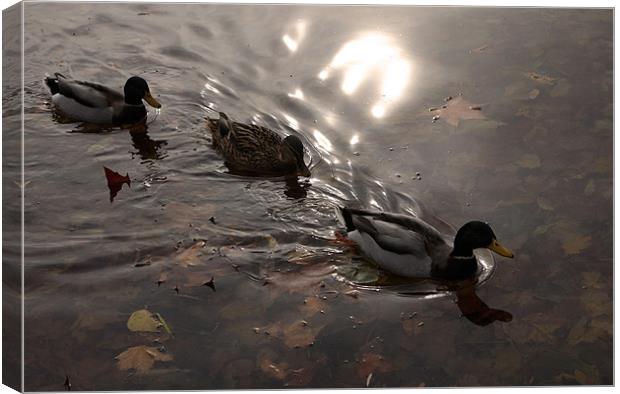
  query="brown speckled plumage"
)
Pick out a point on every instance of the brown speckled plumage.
point(254, 150)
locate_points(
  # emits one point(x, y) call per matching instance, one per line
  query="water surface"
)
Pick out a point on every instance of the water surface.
point(356, 83)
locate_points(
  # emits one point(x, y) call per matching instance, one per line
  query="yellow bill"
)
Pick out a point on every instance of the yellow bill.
point(500, 250)
point(151, 100)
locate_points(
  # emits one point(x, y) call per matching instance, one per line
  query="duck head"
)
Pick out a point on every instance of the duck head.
point(136, 90)
point(474, 235)
point(293, 144)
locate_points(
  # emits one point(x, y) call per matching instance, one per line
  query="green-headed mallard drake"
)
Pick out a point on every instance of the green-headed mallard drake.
point(257, 150)
point(93, 103)
point(410, 247)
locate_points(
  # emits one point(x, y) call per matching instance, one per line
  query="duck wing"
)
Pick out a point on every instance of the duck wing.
point(252, 138)
point(391, 237)
point(87, 93)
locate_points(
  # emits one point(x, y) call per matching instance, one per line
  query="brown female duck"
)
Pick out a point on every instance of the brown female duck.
point(256, 150)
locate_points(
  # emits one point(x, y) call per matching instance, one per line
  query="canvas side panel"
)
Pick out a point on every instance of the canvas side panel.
point(11, 196)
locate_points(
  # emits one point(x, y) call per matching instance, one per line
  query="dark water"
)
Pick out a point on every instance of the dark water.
point(356, 83)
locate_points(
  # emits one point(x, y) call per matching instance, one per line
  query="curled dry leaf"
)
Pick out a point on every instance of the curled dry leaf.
point(141, 358)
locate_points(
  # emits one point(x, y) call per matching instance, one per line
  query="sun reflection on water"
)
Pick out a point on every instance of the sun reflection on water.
point(292, 40)
point(372, 56)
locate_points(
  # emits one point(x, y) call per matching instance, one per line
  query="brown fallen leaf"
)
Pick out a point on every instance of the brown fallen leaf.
point(191, 256)
point(141, 358)
point(459, 109)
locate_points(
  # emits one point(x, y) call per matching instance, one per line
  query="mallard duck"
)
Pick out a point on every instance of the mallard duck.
point(410, 247)
point(257, 150)
point(93, 103)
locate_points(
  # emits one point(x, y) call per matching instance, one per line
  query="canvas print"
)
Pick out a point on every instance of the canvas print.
point(202, 196)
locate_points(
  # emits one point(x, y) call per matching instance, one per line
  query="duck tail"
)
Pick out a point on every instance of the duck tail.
point(346, 216)
point(52, 82)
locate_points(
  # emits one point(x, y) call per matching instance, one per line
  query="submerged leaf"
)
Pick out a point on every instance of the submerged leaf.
point(575, 243)
point(296, 334)
point(141, 358)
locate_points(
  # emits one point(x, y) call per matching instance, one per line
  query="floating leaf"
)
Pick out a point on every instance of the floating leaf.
point(141, 358)
point(575, 243)
point(533, 94)
point(144, 321)
point(458, 109)
point(191, 256)
point(115, 181)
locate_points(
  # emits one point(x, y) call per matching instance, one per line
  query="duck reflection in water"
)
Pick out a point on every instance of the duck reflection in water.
point(471, 306)
point(477, 311)
point(147, 148)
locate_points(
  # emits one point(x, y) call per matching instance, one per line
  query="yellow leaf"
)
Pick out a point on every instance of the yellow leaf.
point(143, 320)
point(140, 358)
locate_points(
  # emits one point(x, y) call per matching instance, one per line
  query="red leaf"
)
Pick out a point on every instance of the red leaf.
point(115, 181)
